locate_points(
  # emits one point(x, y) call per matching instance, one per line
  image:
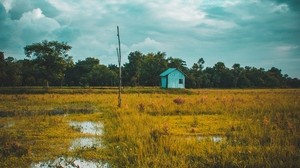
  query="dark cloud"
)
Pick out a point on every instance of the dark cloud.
point(4, 27)
point(242, 32)
point(293, 4)
point(20, 6)
point(2, 13)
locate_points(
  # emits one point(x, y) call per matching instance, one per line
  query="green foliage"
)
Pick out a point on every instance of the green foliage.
point(51, 59)
point(50, 63)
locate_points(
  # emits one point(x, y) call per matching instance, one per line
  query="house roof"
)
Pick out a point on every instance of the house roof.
point(168, 71)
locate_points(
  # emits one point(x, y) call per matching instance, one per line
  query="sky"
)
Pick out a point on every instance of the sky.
point(256, 33)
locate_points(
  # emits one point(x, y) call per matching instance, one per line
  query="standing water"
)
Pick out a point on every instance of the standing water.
point(86, 127)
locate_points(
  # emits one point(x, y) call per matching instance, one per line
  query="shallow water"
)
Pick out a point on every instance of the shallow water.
point(211, 138)
point(10, 124)
point(88, 127)
point(70, 163)
point(86, 143)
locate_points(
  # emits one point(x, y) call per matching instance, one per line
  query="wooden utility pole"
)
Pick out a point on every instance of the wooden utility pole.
point(120, 69)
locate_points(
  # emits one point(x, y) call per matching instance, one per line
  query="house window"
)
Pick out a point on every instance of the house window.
point(180, 81)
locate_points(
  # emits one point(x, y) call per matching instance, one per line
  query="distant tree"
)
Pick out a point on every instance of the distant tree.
point(197, 75)
point(12, 71)
point(275, 78)
point(89, 72)
point(2, 69)
point(133, 69)
point(153, 65)
point(29, 71)
point(49, 63)
point(101, 75)
point(176, 63)
point(51, 59)
point(79, 74)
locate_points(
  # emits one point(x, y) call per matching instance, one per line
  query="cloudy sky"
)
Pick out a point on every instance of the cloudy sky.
point(259, 33)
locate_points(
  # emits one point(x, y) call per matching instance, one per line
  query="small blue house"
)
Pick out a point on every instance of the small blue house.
point(172, 78)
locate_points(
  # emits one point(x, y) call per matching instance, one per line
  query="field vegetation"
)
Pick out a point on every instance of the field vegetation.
point(154, 127)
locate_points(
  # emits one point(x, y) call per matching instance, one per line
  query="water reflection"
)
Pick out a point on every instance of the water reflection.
point(88, 127)
point(211, 138)
point(86, 143)
point(70, 162)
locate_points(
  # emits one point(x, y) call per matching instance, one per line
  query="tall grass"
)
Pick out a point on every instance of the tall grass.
point(156, 128)
point(259, 128)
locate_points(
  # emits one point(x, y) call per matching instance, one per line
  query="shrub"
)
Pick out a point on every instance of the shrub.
point(179, 101)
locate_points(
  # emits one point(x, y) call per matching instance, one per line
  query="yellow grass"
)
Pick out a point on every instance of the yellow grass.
point(158, 128)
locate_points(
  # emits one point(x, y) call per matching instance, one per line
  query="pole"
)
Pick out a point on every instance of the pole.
point(120, 69)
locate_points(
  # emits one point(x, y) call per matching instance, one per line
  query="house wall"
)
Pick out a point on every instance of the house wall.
point(164, 82)
point(173, 80)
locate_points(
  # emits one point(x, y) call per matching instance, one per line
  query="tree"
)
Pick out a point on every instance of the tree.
point(196, 74)
point(79, 74)
point(100, 75)
point(2, 69)
point(29, 73)
point(176, 63)
point(133, 69)
point(51, 59)
point(222, 76)
point(12, 72)
point(153, 65)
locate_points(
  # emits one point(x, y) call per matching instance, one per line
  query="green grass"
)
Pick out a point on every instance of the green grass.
point(154, 127)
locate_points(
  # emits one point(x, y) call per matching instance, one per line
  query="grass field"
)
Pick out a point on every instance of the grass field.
point(154, 127)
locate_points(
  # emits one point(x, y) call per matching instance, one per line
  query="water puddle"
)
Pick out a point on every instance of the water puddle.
point(211, 138)
point(86, 143)
point(10, 124)
point(70, 162)
point(87, 127)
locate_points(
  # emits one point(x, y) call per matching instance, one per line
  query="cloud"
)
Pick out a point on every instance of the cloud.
point(292, 4)
point(3, 14)
point(16, 8)
point(148, 45)
point(186, 14)
point(7, 4)
point(229, 30)
point(287, 48)
point(32, 26)
point(280, 8)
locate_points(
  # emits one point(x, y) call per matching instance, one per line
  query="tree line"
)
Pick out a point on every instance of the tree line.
point(48, 63)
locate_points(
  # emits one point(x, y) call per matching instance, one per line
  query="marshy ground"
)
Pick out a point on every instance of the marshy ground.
point(154, 128)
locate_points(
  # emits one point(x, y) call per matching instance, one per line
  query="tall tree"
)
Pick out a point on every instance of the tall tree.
point(196, 74)
point(153, 65)
point(79, 74)
point(12, 72)
point(132, 70)
point(52, 59)
point(2, 69)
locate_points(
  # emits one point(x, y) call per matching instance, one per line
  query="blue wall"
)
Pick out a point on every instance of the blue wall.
point(172, 80)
